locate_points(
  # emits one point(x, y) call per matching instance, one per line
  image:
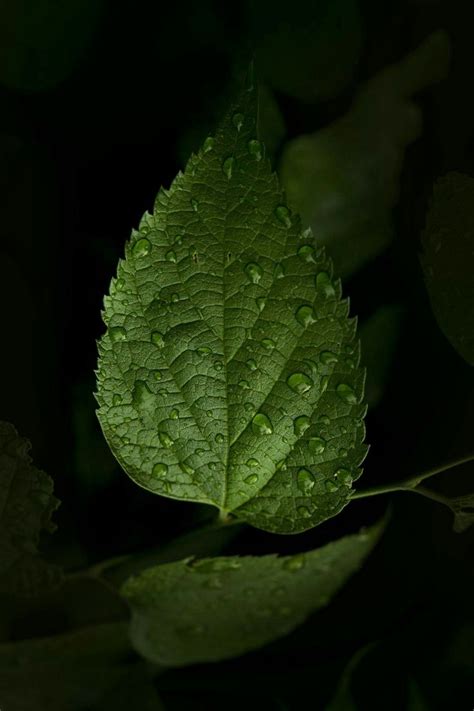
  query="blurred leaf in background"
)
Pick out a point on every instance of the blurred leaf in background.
point(43, 41)
point(344, 179)
point(448, 260)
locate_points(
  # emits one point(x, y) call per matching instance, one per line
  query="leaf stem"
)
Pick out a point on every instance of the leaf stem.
point(412, 484)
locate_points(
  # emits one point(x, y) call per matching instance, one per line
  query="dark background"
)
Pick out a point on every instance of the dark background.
point(87, 136)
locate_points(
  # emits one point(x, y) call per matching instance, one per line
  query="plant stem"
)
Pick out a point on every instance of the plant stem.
point(412, 483)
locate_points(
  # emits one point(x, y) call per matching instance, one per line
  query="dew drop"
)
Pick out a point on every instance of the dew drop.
point(218, 365)
point(254, 272)
point(170, 256)
point(165, 440)
point(303, 511)
point(281, 465)
point(324, 420)
point(157, 374)
point(251, 364)
point(283, 215)
point(117, 399)
point(141, 247)
point(117, 333)
point(261, 425)
point(324, 284)
point(174, 297)
point(160, 470)
point(327, 357)
point(305, 480)
point(251, 479)
point(299, 383)
point(295, 563)
point(252, 462)
point(306, 253)
point(142, 397)
point(305, 315)
point(237, 120)
point(249, 406)
point(174, 414)
point(186, 468)
point(209, 413)
point(194, 204)
point(204, 350)
point(219, 438)
point(199, 451)
point(212, 465)
point(215, 565)
point(244, 384)
point(208, 144)
point(344, 476)
point(119, 284)
point(268, 344)
point(300, 425)
point(255, 149)
point(317, 445)
point(157, 339)
point(228, 166)
point(346, 393)
point(331, 486)
point(260, 303)
point(279, 271)
point(342, 452)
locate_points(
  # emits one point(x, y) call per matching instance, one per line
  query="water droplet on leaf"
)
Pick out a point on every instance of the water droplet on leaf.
point(165, 439)
point(316, 445)
point(305, 315)
point(299, 383)
point(327, 357)
point(268, 344)
point(237, 120)
point(117, 333)
point(160, 470)
point(306, 253)
point(254, 272)
point(251, 479)
point(305, 480)
point(346, 393)
point(255, 149)
point(294, 563)
point(141, 247)
point(208, 144)
point(301, 424)
point(219, 438)
point(228, 166)
point(344, 476)
point(324, 284)
point(251, 364)
point(283, 215)
point(261, 425)
point(157, 339)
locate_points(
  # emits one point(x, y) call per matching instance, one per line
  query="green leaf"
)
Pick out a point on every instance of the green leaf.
point(344, 179)
point(82, 669)
point(448, 260)
point(194, 611)
point(26, 506)
point(229, 371)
